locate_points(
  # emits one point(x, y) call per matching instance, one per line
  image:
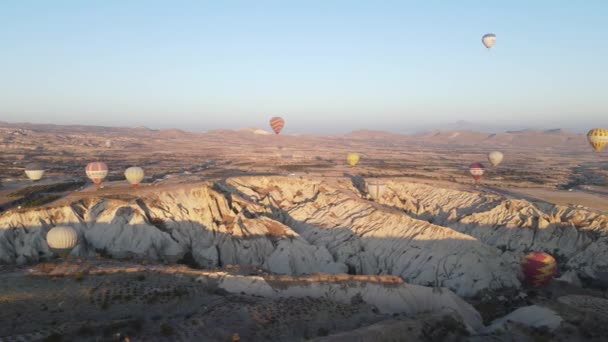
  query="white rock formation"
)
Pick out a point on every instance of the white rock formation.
point(388, 298)
point(532, 316)
point(579, 236)
point(300, 226)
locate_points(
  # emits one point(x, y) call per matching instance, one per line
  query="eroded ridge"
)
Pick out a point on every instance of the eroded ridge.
point(462, 240)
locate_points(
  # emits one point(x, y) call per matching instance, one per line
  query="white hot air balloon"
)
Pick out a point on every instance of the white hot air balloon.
point(495, 158)
point(488, 40)
point(34, 171)
point(62, 239)
point(376, 188)
point(134, 175)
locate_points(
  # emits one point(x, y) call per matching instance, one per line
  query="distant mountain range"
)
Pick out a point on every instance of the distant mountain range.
point(549, 138)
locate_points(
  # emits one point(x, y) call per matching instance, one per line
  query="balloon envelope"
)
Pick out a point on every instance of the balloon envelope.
point(477, 170)
point(376, 188)
point(598, 138)
point(97, 171)
point(34, 171)
point(495, 158)
point(62, 238)
point(134, 175)
point(539, 268)
point(488, 40)
point(352, 159)
point(277, 124)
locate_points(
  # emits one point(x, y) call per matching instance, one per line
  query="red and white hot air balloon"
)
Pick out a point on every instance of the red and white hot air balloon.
point(477, 170)
point(277, 124)
point(97, 172)
point(539, 268)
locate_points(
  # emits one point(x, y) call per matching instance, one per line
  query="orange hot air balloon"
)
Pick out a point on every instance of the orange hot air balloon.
point(539, 268)
point(277, 124)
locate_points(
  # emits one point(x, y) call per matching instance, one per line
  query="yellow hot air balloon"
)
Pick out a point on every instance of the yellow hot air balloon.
point(352, 159)
point(134, 175)
point(495, 158)
point(598, 138)
point(62, 239)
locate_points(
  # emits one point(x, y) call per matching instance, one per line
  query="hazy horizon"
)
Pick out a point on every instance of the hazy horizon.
point(447, 126)
point(326, 67)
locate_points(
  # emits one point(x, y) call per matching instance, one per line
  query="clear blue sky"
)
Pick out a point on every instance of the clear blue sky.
point(326, 66)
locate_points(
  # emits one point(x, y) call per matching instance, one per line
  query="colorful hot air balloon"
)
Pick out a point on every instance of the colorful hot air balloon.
point(598, 138)
point(495, 158)
point(277, 124)
point(488, 40)
point(352, 159)
point(34, 171)
point(62, 239)
point(97, 171)
point(539, 268)
point(376, 188)
point(477, 170)
point(134, 175)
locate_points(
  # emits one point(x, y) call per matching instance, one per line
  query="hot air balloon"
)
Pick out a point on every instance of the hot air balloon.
point(134, 175)
point(488, 40)
point(62, 239)
point(495, 158)
point(97, 171)
point(277, 124)
point(352, 159)
point(477, 170)
point(598, 138)
point(539, 268)
point(34, 171)
point(376, 188)
point(108, 143)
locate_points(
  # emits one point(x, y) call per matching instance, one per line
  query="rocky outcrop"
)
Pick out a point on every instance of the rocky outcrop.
point(422, 328)
point(578, 238)
point(531, 316)
point(426, 235)
point(388, 298)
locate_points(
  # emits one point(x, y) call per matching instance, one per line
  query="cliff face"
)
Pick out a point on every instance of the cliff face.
point(300, 226)
point(576, 237)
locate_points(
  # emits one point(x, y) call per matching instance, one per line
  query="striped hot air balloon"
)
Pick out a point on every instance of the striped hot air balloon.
point(539, 268)
point(598, 138)
point(277, 124)
point(134, 175)
point(477, 170)
point(97, 171)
